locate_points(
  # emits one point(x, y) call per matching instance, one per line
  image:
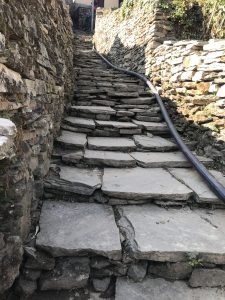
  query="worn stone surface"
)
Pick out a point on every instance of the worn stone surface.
point(166, 159)
point(111, 144)
point(68, 273)
point(160, 234)
point(138, 183)
point(152, 126)
point(120, 125)
point(163, 290)
point(80, 122)
point(109, 158)
point(94, 109)
point(194, 181)
point(71, 228)
point(207, 278)
point(84, 181)
point(72, 139)
point(154, 143)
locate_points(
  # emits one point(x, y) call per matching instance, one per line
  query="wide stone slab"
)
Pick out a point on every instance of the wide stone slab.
point(160, 289)
point(109, 158)
point(69, 229)
point(80, 122)
point(139, 183)
point(81, 181)
point(94, 109)
point(111, 144)
point(152, 126)
point(162, 160)
point(72, 139)
point(114, 124)
point(154, 143)
point(196, 183)
point(174, 235)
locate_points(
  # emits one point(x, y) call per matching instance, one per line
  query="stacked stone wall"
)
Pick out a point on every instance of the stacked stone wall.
point(189, 74)
point(36, 80)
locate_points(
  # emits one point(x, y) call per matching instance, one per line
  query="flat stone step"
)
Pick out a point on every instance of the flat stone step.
point(70, 229)
point(114, 124)
point(154, 143)
point(139, 101)
point(153, 127)
point(109, 158)
point(139, 183)
point(165, 160)
point(195, 182)
point(72, 139)
point(161, 289)
point(173, 235)
point(76, 180)
point(94, 110)
point(80, 122)
point(111, 144)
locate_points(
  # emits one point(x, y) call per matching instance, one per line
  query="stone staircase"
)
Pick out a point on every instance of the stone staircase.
point(125, 216)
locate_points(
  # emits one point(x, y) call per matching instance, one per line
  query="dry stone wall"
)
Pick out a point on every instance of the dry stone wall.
point(36, 65)
point(189, 74)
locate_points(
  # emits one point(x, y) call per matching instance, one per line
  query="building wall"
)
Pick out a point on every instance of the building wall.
point(111, 3)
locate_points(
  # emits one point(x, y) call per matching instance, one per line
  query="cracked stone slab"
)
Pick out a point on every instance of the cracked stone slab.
point(77, 180)
point(69, 229)
point(152, 126)
point(174, 235)
point(111, 144)
point(138, 183)
point(94, 109)
point(154, 143)
point(80, 122)
point(115, 124)
point(72, 139)
point(109, 158)
point(195, 182)
point(167, 159)
point(160, 289)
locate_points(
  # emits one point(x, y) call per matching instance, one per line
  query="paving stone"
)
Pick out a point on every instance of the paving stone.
point(69, 273)
point(162, 160)
point(114, 124)
point(80, 122)
point(68, 229)
point(109, 158)
point(160, 289)
point(94, 109)
point(174, 235)
point(72, 139)
point(139, 101)
point(111, 144)
point(139, 183)
point(152, 126)
point(195, 182)
point(154, 143)
point(207, 278)
point(73, 157)
point(81, 181)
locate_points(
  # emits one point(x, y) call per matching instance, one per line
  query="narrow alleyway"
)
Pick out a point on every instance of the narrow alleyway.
point(123, 211)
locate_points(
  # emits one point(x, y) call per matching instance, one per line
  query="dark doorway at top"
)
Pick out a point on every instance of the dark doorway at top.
point(99, 3)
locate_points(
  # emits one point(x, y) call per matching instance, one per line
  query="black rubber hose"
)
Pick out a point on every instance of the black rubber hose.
point(214, 185)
